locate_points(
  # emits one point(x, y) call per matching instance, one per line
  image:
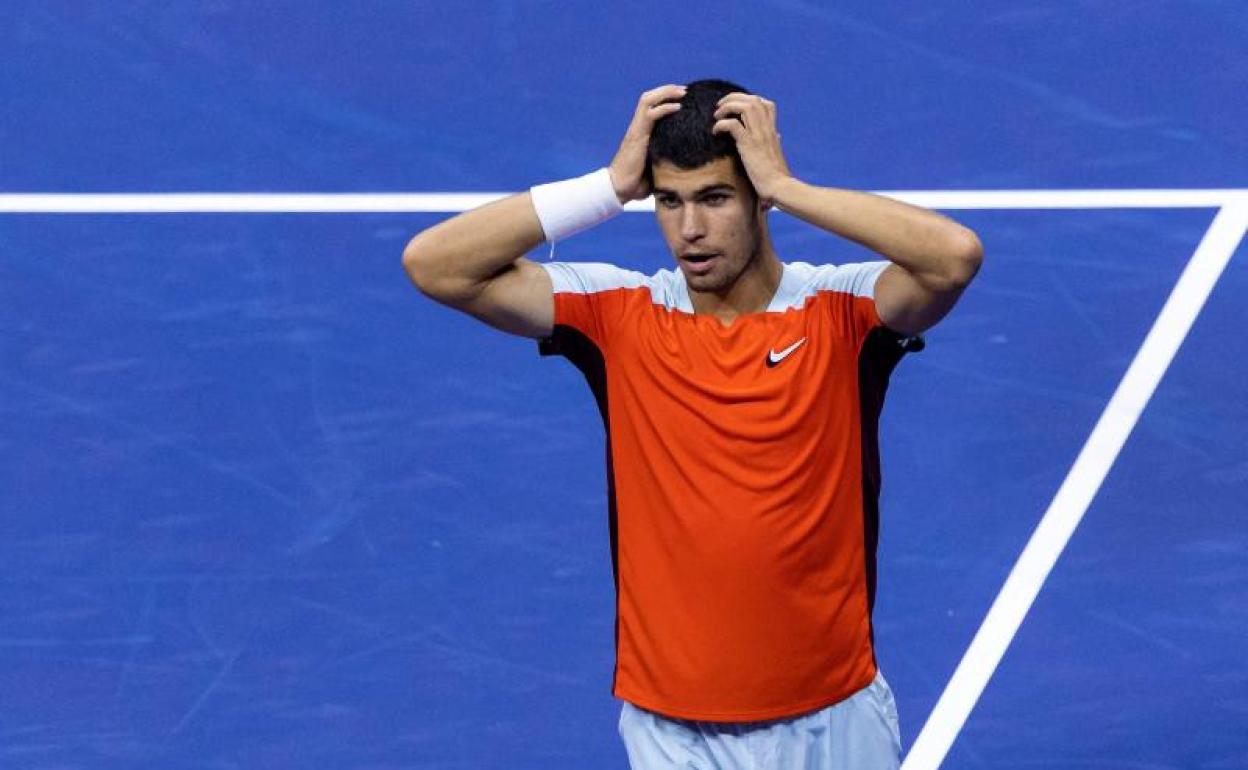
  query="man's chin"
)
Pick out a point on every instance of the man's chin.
point(710, 282)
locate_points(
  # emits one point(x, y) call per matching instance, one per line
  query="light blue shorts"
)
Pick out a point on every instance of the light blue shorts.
point(858, 733)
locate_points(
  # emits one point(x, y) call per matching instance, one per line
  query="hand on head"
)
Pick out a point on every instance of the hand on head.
point(751, 120)
point(628, 168)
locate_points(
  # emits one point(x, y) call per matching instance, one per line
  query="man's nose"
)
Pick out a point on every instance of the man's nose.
point(691, 224)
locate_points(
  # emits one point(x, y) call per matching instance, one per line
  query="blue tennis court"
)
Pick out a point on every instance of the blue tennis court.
point(265, 505)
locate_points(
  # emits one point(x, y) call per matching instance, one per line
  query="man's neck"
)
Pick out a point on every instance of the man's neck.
point(752, 292)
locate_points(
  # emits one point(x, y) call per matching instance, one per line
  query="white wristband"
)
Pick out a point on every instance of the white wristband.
point(568, 207)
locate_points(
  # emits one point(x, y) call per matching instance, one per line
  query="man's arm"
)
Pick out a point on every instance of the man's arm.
point(472, 262)
point(934, 258)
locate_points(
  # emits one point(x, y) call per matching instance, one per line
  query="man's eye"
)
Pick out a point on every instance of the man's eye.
point(668, 202)
point(716, 198)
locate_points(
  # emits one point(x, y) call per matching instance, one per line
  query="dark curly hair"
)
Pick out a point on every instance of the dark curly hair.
point(684, 137)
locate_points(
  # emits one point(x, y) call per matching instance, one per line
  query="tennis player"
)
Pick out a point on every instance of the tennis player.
point(741, 396)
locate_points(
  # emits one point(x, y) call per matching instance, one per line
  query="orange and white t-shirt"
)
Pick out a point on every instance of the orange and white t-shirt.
point(743, 482)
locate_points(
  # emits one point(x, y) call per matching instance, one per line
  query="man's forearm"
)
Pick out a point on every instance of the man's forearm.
point(456, 256)
point(928, 244)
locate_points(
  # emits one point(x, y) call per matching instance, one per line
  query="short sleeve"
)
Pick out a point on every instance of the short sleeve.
point(587, 302)
point(852, 288)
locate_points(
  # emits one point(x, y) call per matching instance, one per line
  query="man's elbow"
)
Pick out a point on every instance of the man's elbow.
point(967, 256)
point(416, 263)
point(427, 267)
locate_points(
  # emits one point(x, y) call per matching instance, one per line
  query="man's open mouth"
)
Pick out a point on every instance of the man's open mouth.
point(700, 264)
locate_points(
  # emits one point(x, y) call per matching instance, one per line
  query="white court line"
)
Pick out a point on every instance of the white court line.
point(328, 203)
point(1080, 487)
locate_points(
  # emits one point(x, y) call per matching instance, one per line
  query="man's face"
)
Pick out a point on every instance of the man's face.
point(707, 210)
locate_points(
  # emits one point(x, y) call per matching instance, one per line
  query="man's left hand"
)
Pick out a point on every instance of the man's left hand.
point(751, 120)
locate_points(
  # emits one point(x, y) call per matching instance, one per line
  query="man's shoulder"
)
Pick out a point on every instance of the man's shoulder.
point(591, 277)
point(856, 278)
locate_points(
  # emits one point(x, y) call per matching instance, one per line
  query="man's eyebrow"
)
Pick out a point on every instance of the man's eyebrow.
point(717, 187)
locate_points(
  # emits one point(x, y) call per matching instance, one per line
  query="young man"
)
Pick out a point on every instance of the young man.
point(740, 396)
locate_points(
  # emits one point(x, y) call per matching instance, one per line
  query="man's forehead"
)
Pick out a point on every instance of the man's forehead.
point(669, 176)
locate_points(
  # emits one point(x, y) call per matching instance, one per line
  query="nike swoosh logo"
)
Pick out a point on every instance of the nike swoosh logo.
point(774, 358)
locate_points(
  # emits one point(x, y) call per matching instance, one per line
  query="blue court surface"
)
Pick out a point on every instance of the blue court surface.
point(266, 506)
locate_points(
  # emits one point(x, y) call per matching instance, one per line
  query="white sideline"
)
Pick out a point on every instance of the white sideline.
point(1080, 487)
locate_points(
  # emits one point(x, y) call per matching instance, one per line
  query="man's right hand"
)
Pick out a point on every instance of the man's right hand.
point(628, 168)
